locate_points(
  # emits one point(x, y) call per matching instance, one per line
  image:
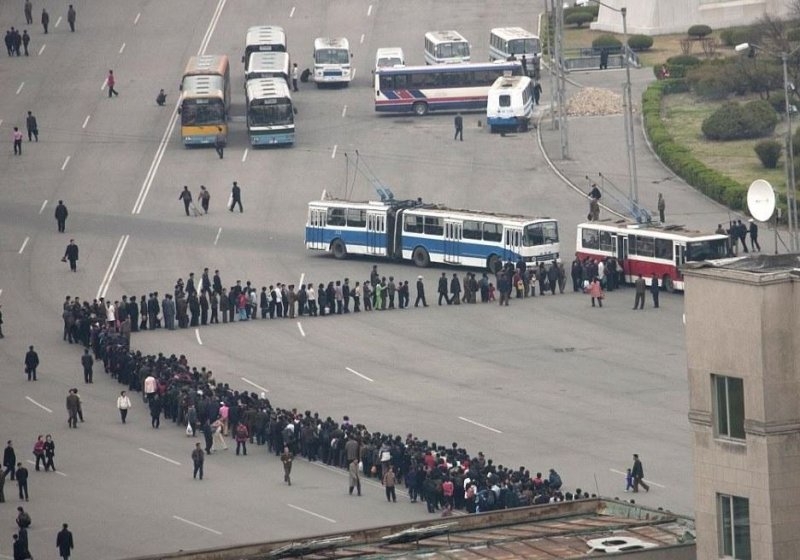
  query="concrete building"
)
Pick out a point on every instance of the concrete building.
point(658, 17)
point(742, 342)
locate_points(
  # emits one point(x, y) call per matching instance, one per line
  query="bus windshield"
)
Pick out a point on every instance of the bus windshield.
point(275, 114)
point(195, 112)
point(706, 250)
point(540, 234)
point(452, 50)
point(523, 46)
point(331, 56)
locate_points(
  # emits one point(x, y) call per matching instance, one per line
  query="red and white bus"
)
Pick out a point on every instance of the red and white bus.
point(650, 249)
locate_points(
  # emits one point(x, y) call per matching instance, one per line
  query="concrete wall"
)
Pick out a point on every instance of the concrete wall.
point(744, 324)
point(658, 17)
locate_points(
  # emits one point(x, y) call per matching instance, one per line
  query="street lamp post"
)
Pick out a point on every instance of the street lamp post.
point(627, 100)
point(791, 187)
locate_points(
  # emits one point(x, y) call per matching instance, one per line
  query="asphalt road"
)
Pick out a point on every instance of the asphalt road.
point(545, 383)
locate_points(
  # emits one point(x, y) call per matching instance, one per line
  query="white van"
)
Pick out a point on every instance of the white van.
point(510, 104)
point(389, 57)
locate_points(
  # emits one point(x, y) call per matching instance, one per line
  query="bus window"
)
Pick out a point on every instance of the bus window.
point(504, 100)
point(663, 249)
point(356, 217)
point(590, 239)
point(533, 235)
point(387, 82)
point(433, 226)
point(472, 230)
point(607, 242)
point(492, 232)
point(336, 217)
point(706, 250)
point(412, 224)
point(643, 246)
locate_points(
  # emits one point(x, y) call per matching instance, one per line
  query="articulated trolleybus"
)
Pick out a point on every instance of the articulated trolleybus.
point(648, 250)
point(429, 233)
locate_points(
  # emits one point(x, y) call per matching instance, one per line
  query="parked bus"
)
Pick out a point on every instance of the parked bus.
point(428, 233)
point(268, 65)
point(389, 56)
point(648, 250)
point(452, 87)
point(332, 61)
point(505, 42)
point(263, 38)
point(270, 113)
point(205, 99)
point(446, 47)
point(510, 104)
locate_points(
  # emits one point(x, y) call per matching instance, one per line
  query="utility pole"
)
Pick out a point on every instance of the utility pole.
point(791, 187)
point(551, 19)
point(562, 79)
point(628, 101)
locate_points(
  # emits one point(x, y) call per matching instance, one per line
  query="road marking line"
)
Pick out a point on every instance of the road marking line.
point(112, 266)
point(291, 14)
point(41, 50)
point(57, 21)
point(167, 459)
point(103, 85)
point(369, 10)
point(328, 519)
point(136, 20)
point(86, 121)
point(646, 480)
point(302, 278)
point(479, 425)
point(43, 205)
point(333, 153)
point(354, 74)
point(43, 407)
point(244, 155)
point(362, 376)
point(55, 471)
point(256, 385)
point(362, 39)
point(66, 161)
point(211, 26)
point(1, 291)
point(344, 111)
point(193, 524)
point(19, 89)
point(122, 48)
point(300, 328)
point(24, 244)
point(197, 334)
point(219, 232)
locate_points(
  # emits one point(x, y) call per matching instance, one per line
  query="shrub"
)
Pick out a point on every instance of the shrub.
point(736, 35)
point(714, 80)
point(769, 152)
point(640, 42)
point(777, 103)
point(733, 121)
point(578, 18)
point(591, 8)
point(793, 34)
point(699, 31)
point(683, 60)
point(675, 85)
point(606, 42)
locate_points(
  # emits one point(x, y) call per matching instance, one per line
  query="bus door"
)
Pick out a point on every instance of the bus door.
point(679, 259)
point(512, 245)
point(622, 255)
point(317, 220)
point(452, 241)
point(376, 233)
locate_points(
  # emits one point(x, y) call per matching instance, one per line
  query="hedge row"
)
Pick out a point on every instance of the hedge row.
point(680, 160)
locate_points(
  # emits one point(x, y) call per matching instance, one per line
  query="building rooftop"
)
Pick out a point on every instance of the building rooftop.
point(753, 263)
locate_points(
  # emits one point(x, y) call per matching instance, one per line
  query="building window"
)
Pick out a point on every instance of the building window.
point(728, 406)
point(733, 513)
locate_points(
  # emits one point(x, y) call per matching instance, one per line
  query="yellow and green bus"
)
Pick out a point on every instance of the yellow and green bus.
point(205, 99)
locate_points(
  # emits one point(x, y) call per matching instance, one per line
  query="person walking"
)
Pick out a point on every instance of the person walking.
point(537, 90)
point(88, 363)
point(28, 12)
point(49, 453)
point(219, 142)
point(295, 76)
point(286, 459)
point(38, 451)
point(754, 236)
point(355, 479)
point(389, 480)
point(205, 198)
point(459, 125)
point(654, 290)
point(31, 363)
point(22, 481)
point(420, 293)
point(16, 138)
point(61, 214)
point(71, 18)
point(73, 402)
point(111, 82)
point(71, 255)
point(26, 40)
point(638, 475)
point(31, 125)
point(198, 458)
point(123, 405)
point(65, 542)
point(19, 549)
point(10, 460)
point(596, 292)
point(45, 20)
point(641, 287)
point(661, 208)
point(236, 197)
point(186, 197)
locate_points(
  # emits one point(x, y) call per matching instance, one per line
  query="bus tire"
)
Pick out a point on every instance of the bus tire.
point(420, 108)
point(339, 249)
point(494, 264)
point(421, 257)
point(668, 284)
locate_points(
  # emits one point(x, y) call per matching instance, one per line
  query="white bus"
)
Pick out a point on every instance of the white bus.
point(269, 65)
point(445, 47)
point(332, 61)
point(270, 113)
point(507, 41)
point(510, 104)
point(263, 38)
